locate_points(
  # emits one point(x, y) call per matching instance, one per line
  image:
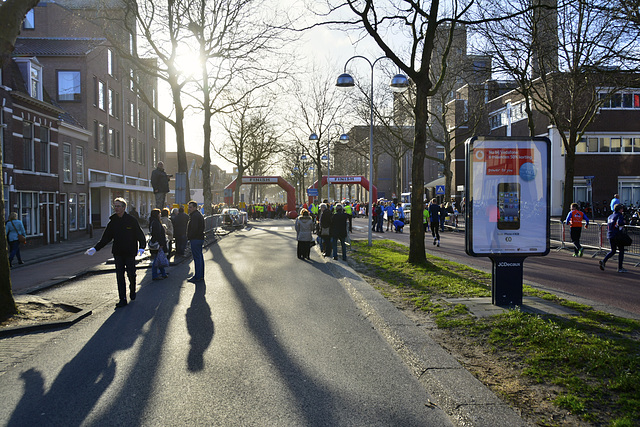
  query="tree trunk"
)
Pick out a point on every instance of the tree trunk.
point(12, 13)
point(179, 128)
point(417, 253)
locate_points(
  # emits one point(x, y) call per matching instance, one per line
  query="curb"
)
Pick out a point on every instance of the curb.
point(74, 318)
point(81, 314)
point(465, 399)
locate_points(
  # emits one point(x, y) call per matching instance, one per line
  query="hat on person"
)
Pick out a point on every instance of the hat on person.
point(339, 207)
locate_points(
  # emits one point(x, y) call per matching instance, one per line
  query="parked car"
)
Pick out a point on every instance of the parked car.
point(231, 216)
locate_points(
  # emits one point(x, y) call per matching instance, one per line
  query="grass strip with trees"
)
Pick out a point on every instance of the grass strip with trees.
point(591, 360)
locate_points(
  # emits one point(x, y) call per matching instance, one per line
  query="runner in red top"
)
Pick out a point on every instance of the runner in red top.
point(574, 219)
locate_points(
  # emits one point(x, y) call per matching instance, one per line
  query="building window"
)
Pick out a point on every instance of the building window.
point(36, 81)
point(79, 165)
point(132, 149)
point(112, 142)
point(101, 95)
point(29, 22)
point(29, 212)
point(154, 156)
point(629, 191)
point(45, 149)
point(112, 101)
point(111, 63)
point(141, 120)
point(625, 100)
point(117, 144)
point(154, 130)
point(132, 76)
point(73, 211)
point(66, 162)
point(102, 143)
point(82, 211)
point(498, 119)
point(69, 86)
point(608, 144)
point(141, 152)
point(27, 146)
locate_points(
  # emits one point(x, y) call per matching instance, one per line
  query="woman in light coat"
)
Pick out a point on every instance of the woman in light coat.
point(168, 228)
point(12, 229)
point(304, 230)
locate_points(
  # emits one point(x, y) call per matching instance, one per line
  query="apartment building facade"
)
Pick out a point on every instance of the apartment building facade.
point(122, 139)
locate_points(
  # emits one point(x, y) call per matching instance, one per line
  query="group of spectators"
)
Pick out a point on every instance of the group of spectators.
point(331, 223)
point(129, 241)
point(266, 211)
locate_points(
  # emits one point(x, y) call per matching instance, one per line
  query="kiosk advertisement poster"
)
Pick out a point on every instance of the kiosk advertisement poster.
point(507, 188)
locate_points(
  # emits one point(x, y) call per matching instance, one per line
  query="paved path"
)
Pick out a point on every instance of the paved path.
point(267, 339)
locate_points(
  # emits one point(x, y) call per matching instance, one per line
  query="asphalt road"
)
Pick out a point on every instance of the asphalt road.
point(267, 339)
point(577, 279)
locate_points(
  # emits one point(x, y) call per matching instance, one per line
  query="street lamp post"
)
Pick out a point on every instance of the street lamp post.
point(399, 83)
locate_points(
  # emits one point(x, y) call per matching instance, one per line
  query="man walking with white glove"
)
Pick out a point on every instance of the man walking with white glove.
point(128, 240)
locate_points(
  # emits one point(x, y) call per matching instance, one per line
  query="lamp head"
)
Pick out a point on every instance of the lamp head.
point(399, 83)
point(344, 138)
point(345, 81)
point(303, 157)
point(313, 137)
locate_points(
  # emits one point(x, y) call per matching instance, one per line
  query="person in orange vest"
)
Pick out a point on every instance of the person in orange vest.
point(574, 219)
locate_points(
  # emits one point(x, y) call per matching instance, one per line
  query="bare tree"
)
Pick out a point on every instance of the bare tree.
point(570, 76)
point(162, 29)
point(252, 138)
point(12, 14)
point(419, 22)
point(318, 111)
point(233, 43)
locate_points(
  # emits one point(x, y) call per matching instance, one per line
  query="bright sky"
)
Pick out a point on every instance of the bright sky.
point(327, 46)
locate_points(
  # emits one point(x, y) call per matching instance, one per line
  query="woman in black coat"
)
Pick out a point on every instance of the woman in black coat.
point(325, 227)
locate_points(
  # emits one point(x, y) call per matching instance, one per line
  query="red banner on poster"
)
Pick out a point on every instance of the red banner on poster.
point(503, 161)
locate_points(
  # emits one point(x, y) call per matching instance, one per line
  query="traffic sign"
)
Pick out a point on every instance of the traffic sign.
point(312, 192)
point(439, 189)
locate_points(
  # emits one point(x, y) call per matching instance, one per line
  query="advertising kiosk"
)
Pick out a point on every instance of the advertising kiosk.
point(508, 199)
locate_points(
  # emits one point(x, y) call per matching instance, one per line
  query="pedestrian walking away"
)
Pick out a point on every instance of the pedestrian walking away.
point(339, 232)
point(180, 222)
point(195, 234)
point(615, 201)
point(304, 234)
point(160, 184)
point(128, 240)
point(574, 219)
point(158, 246)
point(325, 229)
point(615, 225)
point(14, 230)
point(434, 217)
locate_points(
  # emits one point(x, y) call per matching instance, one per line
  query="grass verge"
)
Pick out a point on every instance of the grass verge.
point(591, 360)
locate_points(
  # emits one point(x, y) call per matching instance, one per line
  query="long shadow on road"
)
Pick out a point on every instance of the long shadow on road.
point(314, 402)
point(81, 383)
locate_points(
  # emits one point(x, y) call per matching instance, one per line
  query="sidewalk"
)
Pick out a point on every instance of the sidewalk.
point(50, 265)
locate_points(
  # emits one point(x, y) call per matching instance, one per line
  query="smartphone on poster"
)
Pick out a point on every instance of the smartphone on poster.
point(508, 206)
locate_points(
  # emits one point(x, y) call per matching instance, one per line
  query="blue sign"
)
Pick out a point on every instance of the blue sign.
point(312, 192)
point(439, 189)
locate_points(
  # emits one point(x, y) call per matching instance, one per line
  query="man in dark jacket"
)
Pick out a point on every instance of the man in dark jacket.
point(339, 222)
point(128, 239)
point(195, 234)
point(160, 184)
point(180, 223)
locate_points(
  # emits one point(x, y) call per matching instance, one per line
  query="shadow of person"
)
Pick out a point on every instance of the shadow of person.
point(83, 380)
point(200, 328)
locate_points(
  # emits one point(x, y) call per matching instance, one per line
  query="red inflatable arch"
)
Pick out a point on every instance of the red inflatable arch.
point(347, 179)
point(268, 180)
